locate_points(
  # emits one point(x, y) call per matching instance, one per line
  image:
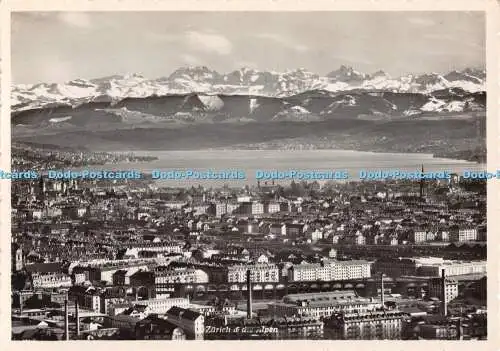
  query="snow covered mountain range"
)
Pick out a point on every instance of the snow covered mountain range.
point(245, 81)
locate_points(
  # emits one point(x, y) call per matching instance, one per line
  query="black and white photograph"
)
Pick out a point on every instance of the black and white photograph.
point(248, 175)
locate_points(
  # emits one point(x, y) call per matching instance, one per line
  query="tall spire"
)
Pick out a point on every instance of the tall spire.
point(422, 183)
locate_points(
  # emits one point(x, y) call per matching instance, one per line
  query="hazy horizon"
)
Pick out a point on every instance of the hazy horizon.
point(55, 47)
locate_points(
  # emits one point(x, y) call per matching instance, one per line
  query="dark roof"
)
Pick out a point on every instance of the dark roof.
point(183, 313)
point(142, 274)
point(29, 334)
point(295, 225)
point(45, 267)
point(175, 311)
point(162, 323)
point(77, 290)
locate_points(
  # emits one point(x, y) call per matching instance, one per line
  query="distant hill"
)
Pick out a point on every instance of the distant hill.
point(196, 107)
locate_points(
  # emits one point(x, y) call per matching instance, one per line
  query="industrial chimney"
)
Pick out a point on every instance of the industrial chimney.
point(460, 329)
point(77, 318)
point(249, 290)
point(382, 292)
point(443, 291)
point(66, 323)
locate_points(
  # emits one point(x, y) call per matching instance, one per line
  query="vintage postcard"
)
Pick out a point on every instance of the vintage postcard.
point(278, 173)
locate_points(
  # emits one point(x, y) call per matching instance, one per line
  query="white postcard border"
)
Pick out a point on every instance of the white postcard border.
point(492, 9)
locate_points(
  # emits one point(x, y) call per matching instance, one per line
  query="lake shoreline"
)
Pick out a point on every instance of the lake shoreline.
point(251, 161)
point(151, 153)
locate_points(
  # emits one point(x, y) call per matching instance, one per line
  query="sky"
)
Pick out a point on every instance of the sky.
point(61, 46)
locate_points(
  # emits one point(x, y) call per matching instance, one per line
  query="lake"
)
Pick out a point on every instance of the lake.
point(318, 160)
